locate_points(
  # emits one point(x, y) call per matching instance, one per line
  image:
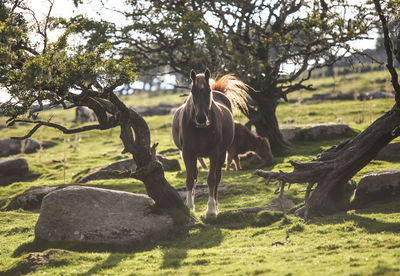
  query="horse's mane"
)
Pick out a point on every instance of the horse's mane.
point(233, 88)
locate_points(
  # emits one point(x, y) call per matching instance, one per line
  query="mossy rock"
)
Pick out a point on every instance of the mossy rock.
point(265, 218)
point(238, 219)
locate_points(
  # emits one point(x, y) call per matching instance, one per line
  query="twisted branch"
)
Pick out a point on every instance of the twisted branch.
point(57, 126)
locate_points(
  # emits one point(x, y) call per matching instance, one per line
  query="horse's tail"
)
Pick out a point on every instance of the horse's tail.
point(234, 89)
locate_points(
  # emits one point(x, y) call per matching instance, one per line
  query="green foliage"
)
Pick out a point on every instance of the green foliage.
point(83, 56)
point(252, 39)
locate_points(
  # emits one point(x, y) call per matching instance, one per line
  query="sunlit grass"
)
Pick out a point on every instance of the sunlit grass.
point(365, 242)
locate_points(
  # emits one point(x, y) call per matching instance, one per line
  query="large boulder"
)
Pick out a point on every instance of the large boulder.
point(390, 151)
point(126, 165)
point(12, 146)
point(314, 131)
point(95, 215)
point(14, 167)
point(376, 187)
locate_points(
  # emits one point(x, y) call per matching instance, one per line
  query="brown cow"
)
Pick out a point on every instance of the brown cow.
point(245, 141)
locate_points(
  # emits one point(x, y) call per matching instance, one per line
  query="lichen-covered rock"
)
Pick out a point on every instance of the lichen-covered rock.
point(126, 165)
point(314, 131)
point(161, 109)
point(12, 146)
point(32, 198)
point(14, 167)
point(103, 173)
point(95, 215)
point(84, 114)
point(390, 151)
point(378, 186)
point(168, 164)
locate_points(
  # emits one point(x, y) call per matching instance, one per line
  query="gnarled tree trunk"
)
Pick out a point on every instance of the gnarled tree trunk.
point(263, 117)
point(333, 168)
point(149, 170)
point(338, 165)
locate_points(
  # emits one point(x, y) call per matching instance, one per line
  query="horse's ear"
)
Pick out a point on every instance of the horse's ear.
point(207, 74)
point(192, 75)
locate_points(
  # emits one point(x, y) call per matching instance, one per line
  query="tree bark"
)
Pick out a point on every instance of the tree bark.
point(341, 164)
point(158, 188)
point(135, 136)
point(263, 117)
point(333, 168)
point(148, 170)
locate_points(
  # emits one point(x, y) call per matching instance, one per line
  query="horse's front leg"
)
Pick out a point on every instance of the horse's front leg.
point(213, 179)
point(191, 177)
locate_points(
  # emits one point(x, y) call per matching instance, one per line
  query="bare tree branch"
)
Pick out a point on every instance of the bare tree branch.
point(57, 126)
point(389, 52)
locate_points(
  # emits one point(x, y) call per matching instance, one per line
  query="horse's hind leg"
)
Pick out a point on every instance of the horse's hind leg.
point(202, 163)
point(237, 163)
point(191, 178)
point(229, 161)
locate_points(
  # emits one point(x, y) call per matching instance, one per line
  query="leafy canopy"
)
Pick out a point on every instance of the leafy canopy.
point(35, 71)
point(255, 39)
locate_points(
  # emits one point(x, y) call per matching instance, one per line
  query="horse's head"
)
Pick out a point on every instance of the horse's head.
point(263, 149)
point(201, 97)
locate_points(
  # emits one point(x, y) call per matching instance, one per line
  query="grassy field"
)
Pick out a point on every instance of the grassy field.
point(358, 242)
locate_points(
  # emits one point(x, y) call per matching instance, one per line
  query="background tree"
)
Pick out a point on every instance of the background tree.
point(271, 45)
point(70, 72)
point(333, 168)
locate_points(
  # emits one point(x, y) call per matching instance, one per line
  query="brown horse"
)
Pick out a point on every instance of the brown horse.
point(203, 127)
point(247, 141)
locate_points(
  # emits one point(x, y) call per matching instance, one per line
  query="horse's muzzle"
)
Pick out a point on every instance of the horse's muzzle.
point(203, 125)
point(201, 121)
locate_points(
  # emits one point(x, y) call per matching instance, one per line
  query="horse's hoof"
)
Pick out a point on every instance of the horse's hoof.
point(211, 214)
point(191, 207)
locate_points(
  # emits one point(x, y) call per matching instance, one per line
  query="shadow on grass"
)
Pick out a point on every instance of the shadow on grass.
point(200, 237)
point(175, 247)
point(371, 225)
point(55, 257)
point(384, 207)
point(41, 245)
point(112, 260)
